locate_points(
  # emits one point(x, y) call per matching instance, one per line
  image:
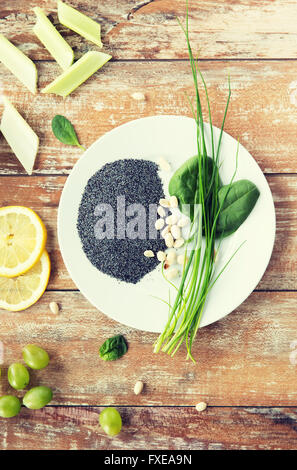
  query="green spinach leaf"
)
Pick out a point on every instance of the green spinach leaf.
point(239, 200)
point(184, 184)
point(64, 131)
point(113, 348)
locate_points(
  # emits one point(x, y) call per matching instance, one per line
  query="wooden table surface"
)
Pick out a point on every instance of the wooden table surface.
point(247, 362)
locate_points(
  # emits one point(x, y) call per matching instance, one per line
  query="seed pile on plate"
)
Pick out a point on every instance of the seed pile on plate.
point(139, 182)
point(170, 227)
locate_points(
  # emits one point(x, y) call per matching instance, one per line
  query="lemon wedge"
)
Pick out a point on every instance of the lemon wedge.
point(21, 292)
point(22, 240)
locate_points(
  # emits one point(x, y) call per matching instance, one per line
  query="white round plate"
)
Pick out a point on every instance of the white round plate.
point(174, 138)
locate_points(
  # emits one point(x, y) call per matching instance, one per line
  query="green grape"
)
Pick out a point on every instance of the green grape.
point(9, 406)
point(37, 397)
point(35, 357)
point(18, 376)
point(110, 420)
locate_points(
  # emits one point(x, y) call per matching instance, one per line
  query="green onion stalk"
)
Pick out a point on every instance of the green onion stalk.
point(198, 275)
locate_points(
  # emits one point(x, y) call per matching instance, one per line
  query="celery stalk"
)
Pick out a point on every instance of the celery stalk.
point(19, 135)
point(78, 73)
point(80, 23)
point(18, 63)
point(52, 40)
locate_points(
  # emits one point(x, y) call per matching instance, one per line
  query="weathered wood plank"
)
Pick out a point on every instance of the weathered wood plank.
point(248, 358)
point(43, 194)
point(262, 113)
point(65, 428)
point(149, 30)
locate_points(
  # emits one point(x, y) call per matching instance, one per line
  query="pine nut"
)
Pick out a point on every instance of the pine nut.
point(161, 211)
point(168, 240)
point(164, 203)
point(138, 96)
point(161, 256)
point(171, 219)
point(171, 256)
point(172, 273)
point(182, 259)
point(175, 231)
point(173, 201)
point(159, 224)
point(183, 222)
point(163, 164)
point(138, 387)
point(149, 254)
point(54, 307)
point(178, 243)
point(201, 406)
point(165, 231)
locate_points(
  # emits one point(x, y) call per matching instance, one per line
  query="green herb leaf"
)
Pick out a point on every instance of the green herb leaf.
point(238, 200)
point(184, 184)
point(64, 131)
point(113, 348)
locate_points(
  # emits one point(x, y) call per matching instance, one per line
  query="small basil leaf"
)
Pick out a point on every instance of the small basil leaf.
point(184, 183)
point(239, 200)
point(113, 348)
point(64, 131)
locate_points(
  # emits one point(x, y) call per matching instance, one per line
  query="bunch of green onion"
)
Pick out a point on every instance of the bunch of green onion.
point(198, 275)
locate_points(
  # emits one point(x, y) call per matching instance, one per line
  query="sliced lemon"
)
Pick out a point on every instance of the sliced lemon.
point(22, 240)
point(21, 292)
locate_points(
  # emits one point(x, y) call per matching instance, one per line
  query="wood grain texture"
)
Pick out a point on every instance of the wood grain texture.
point(243, 359)
point(43, 193)
point(149, 30)
point(153, 429)
point(262, 113)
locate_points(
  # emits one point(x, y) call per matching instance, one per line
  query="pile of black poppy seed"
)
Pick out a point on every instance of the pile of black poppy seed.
point(138, 181)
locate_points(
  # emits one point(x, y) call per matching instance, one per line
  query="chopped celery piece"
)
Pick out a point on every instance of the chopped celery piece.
point(52, 40)
point(80, 23)
point(18, 63)
point(78, 73)
point(19, 135)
